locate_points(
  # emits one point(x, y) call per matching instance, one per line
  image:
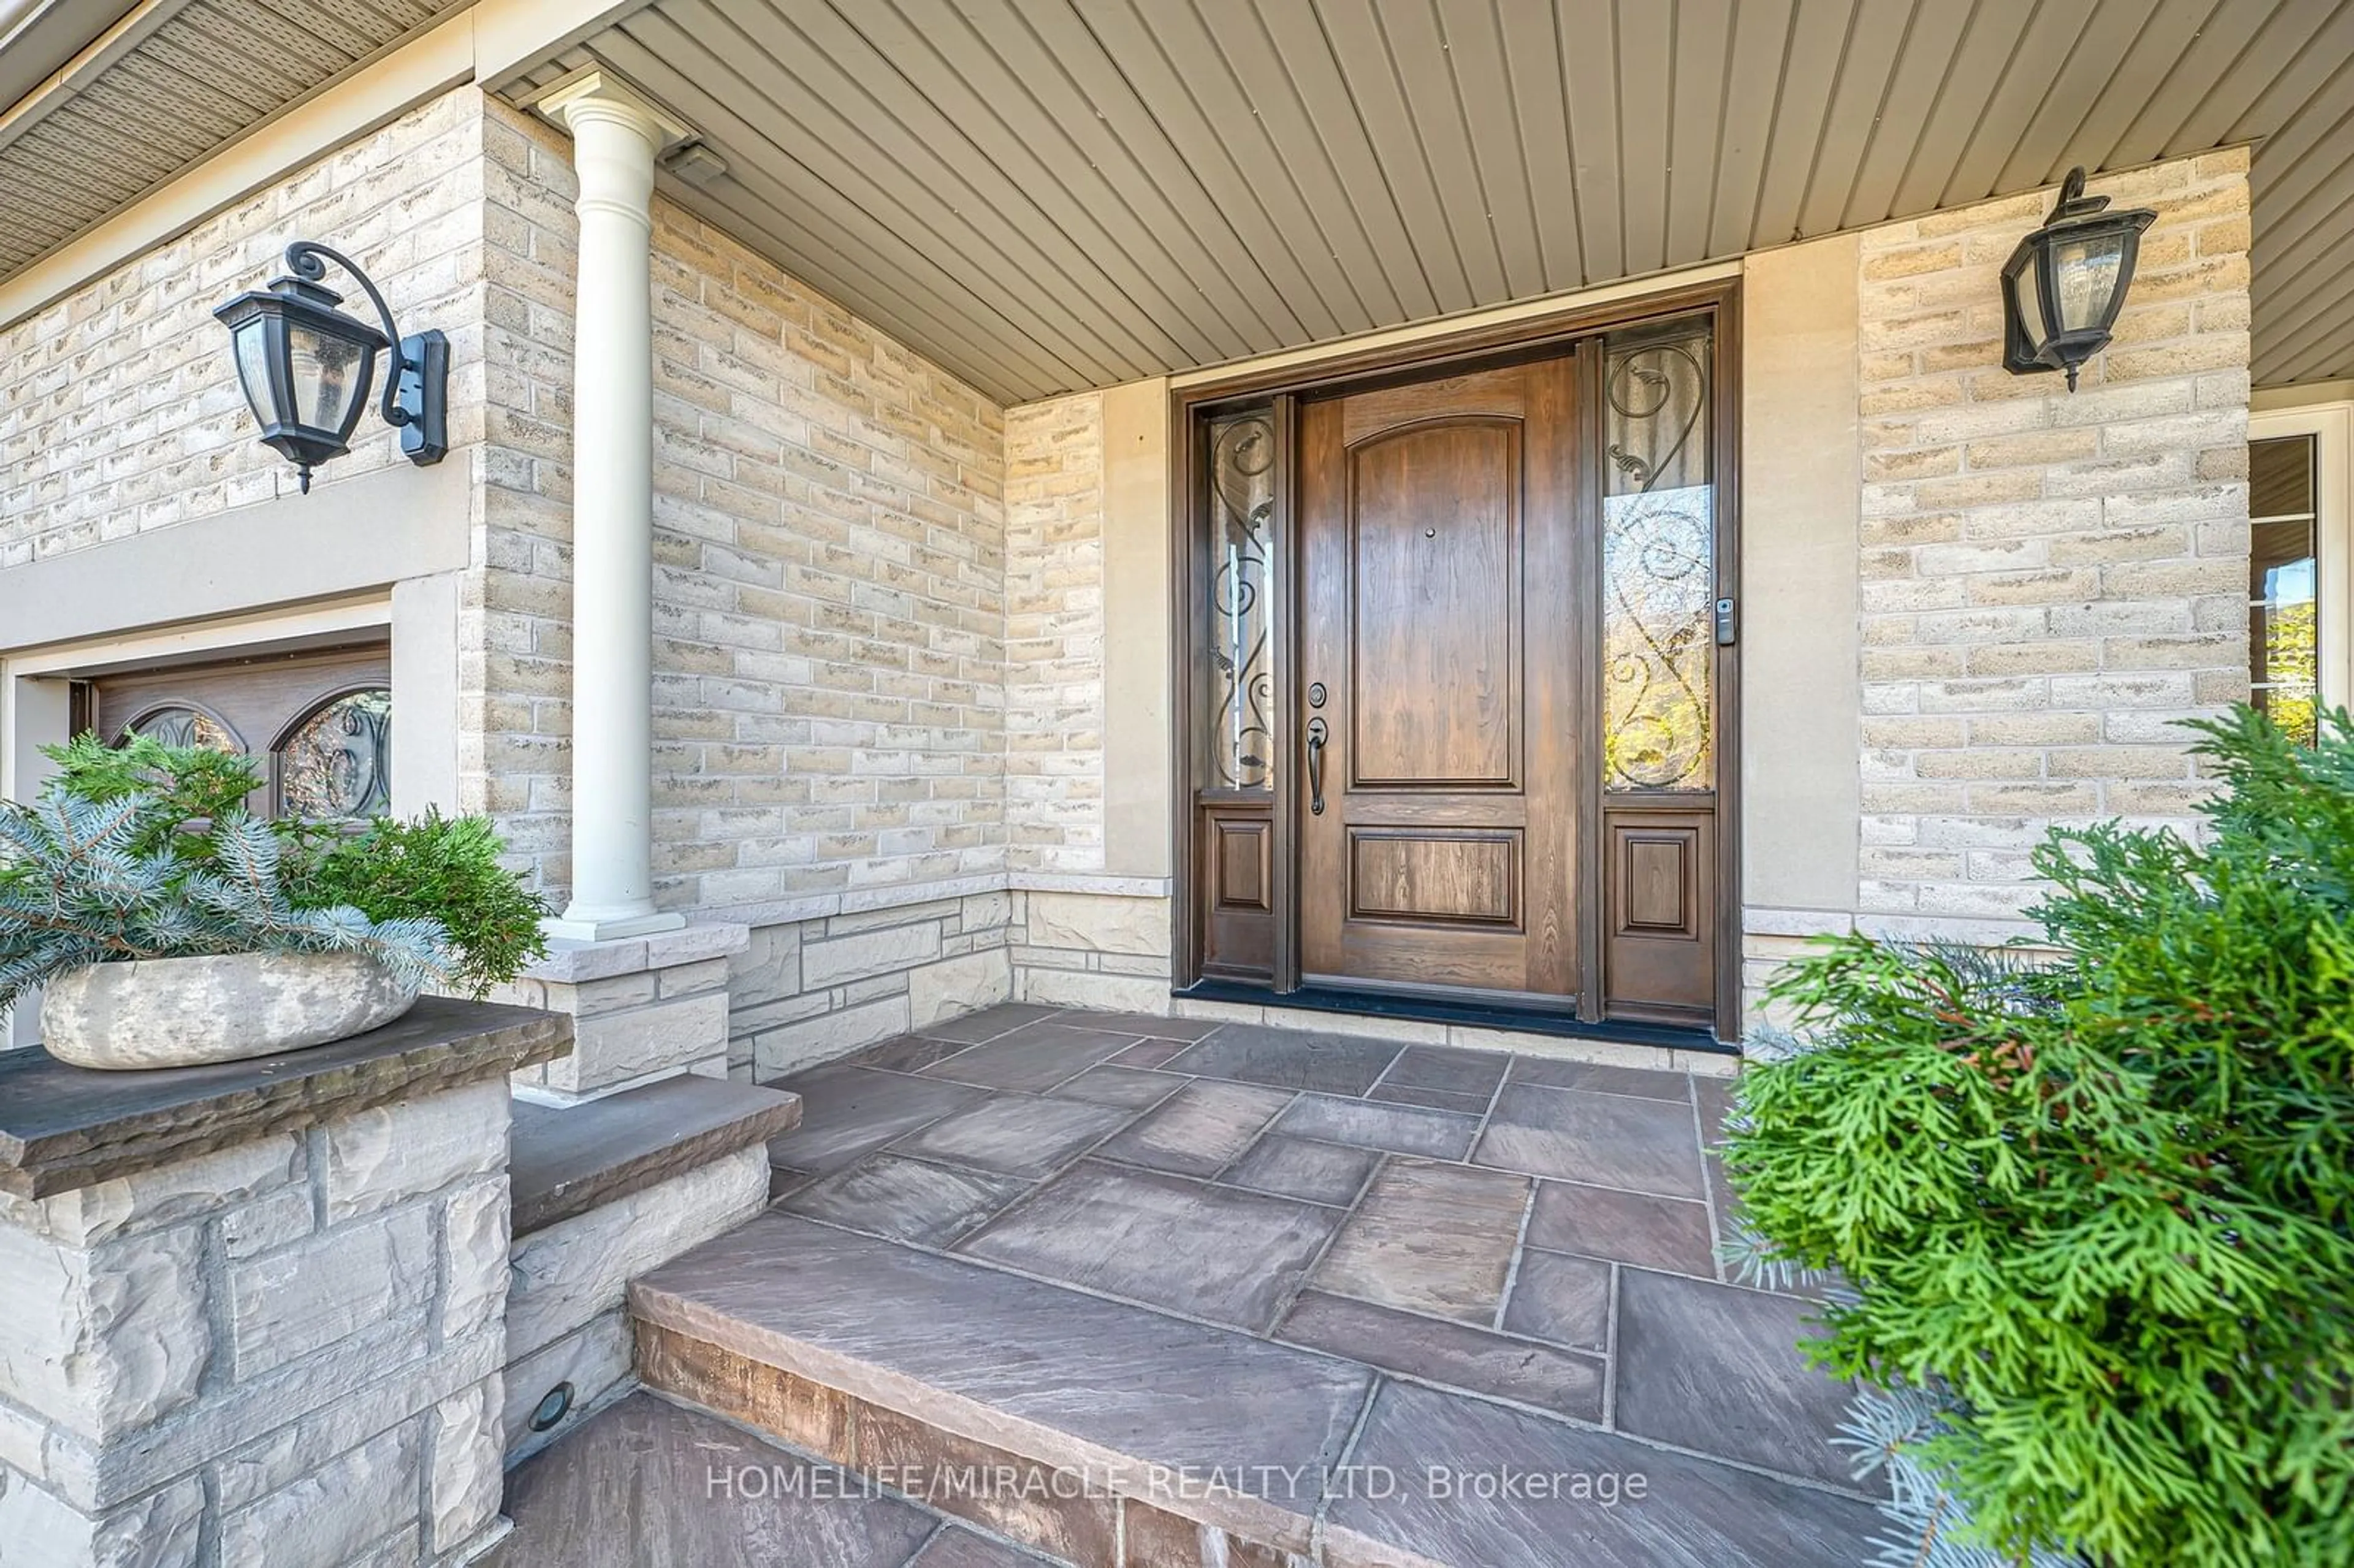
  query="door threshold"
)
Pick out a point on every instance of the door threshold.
point(1472, 1014)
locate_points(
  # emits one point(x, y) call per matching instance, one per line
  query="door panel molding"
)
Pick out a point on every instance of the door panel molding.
point(1407, 875)
point(1418, 608)
point(1659, 934)
point(1237, 884)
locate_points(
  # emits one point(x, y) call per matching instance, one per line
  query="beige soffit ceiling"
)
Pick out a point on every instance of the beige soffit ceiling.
point(129, 95)
point(38, 37)
point(1053, 193)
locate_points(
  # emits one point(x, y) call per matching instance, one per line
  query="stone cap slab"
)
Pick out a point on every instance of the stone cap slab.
point(62, 1128)
point(564, 1160)
point(573, 963)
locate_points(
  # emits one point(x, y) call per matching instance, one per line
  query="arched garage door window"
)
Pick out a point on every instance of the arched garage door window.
point(320, 722)
point(335, 764)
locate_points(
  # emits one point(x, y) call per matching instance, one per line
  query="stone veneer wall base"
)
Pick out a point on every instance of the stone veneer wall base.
point(643, 1009)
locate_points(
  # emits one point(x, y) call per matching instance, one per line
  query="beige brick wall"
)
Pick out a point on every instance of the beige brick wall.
point(1055, 634)
point(830, 565)
point(118, 410)
point(2049, 581)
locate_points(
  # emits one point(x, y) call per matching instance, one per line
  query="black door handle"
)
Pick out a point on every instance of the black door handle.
point(1317, 732)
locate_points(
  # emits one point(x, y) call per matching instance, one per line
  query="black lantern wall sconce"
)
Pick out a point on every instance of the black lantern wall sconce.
point(306, 367)
point(2063, 286)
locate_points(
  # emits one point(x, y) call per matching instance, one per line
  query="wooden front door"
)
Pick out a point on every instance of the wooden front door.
point(1444, 619)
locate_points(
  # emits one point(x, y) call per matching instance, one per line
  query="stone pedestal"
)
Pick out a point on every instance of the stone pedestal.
point(643, 1009)
point(255, 1313)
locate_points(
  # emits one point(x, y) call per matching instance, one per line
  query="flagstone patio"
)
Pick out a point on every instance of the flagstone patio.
point(1142, 1249)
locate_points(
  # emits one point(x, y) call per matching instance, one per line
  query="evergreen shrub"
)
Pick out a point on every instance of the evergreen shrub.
point(2091, 1214)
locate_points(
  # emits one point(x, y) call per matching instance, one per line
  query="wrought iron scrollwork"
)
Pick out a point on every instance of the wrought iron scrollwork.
point(337, 765)
point(1242, 698)
point(1659, 572)
point(185, 727)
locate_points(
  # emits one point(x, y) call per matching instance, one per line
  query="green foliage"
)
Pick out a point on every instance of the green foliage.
point(146, 851)
point(193, 785)
point(445, 869)
point(2104, 1208)
point(80, 890)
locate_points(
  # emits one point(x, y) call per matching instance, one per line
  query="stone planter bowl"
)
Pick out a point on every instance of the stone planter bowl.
point(180, 1012)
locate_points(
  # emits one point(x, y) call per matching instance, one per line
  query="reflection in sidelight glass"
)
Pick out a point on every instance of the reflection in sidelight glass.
point(337, 765)
point(1241, 694)
point(2284, 643)
point(1659, 561)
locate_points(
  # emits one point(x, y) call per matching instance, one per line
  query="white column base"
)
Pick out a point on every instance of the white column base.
point(569, 927)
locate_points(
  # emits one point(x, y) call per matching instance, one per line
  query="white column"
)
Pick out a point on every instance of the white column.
point(616, 135)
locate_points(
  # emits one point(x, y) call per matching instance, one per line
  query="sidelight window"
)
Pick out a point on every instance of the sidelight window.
point(2284, 630)
point(1239, 695)
point(1659, 561)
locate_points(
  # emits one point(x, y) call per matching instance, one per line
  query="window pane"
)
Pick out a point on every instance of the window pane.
point(2280, 476)
point(337, 766)
point(2086, 271)
point(1240, 720)
point(185, 727)
point(2284, 633)
point(2280, 561)
point(1659, 562)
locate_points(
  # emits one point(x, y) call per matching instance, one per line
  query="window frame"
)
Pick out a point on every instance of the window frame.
point(2331, 426)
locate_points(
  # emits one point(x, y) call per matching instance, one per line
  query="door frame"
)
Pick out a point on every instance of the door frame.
point(1282, 387)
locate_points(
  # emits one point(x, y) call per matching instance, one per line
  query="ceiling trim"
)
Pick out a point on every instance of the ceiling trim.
point(426, 68)
point(1308, 361)
point(60, 86)
point(491, 40)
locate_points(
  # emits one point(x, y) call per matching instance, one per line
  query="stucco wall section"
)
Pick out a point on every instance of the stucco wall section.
point(2049, 581)
point(829, 542)
point(1798, 637)
point(118, 409)
point(1055, 634)
point(1140, 802)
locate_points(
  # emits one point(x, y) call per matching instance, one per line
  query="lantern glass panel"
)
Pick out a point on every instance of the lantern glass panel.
point(327, 373)
point(2030, 302)
point(249, 341)
point(2085, 269)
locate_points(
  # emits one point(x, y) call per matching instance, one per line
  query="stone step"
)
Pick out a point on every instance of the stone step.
point(1113, 1435)
point(604, 1190)
point(644, 1481)
point(564, 1160)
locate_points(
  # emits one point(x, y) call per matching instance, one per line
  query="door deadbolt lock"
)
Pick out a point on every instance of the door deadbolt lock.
point(1315, 693)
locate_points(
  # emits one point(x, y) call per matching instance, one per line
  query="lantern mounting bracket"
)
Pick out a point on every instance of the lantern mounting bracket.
point(2072, 201)
point(416, 390)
